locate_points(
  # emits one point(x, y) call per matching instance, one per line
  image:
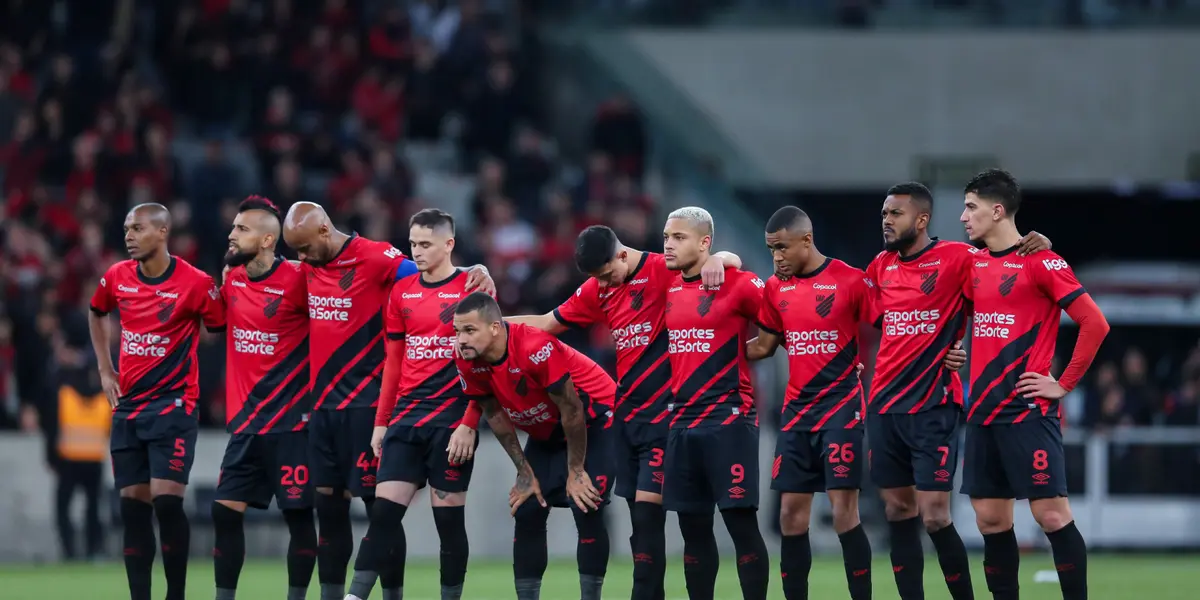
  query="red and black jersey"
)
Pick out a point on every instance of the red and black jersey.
point(1018, 303)
point(346, 297)
point(422, 315)
point(160, 330)
point(266, 350)
point(707, 329)
point(918, 304)
point(817, 316)
point(534, 363)
point(633, 312)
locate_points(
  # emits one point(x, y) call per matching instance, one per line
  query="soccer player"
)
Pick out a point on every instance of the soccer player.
point(162, 301)
point(915, 400)
point(267, 400)
point(627, 291)
point(525, 377)
point(349, 279)
point(813, 306)
point(424, 426)
point(1013, 447)
point(712, 445)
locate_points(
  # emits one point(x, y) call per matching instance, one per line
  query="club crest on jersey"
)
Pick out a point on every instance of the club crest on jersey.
point(1007, 282)
point(636, 297)
point(705, 305)
point(165, 309)
point(271, 308)
point(447, 313)
point(825, 304)
point(522, 386)
point(929, 282)
point(347, 279)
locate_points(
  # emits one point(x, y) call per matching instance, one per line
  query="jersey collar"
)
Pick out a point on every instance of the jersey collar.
point(1004, 252)
point(638, 268)
point(349, 240)
point(438, 284)
point(504, 357)
point(932, 242)
point(156, 280)
point(816, 271)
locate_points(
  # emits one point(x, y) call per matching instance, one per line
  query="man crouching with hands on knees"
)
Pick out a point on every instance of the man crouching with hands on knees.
point(521, 376)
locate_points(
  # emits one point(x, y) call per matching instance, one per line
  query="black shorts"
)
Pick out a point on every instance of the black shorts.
point(339, 450)
point(257, 468)
point(548, 459)
point(918, 449)
point(642, 450)
point(709, 466)
point(153, 447)
point(1016, 461)
point(418, 455)
point(807, 462)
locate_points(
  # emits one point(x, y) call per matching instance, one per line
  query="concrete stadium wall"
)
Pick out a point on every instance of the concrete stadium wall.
point(826, 109)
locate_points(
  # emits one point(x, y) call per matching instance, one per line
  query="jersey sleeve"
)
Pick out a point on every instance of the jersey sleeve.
point(749, 292)
point(474, 384)
point(549, 362)
point(872, 308)
point(769, 319)
point(393, 315)
point(391, 260)
point(212, 305)
point(103, 299)
point(1056, 279)
point(582, 309)
point(860, 293)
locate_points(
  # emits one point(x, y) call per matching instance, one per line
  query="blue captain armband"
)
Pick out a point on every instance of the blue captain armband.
point(406, 268)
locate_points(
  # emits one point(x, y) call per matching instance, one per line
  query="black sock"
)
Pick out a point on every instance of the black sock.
point(529, 541)
point(229, 546)
point(302, 548)
point(451, 526)
point(176, 535)
point(700, 559)
point(1070, 560)
point(591, 552)
point(138, 519)
point(795, 562)
point(856, 555)
point(952, 557)
point(908, 558)
point(649, 550)
point(385, 536)
point(335, 542)
point(529, 550)
point(753, 563)
point(391, 577)
point(1001, 564)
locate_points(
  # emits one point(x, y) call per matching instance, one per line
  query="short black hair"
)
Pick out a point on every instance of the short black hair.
point(432, 218)
point(789, 218)
point(997, 185)
point(479, 301)
point(260, 203)
point(595, 247)
point(915, 190)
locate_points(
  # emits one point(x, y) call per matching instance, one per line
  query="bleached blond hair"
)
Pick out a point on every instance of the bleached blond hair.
point(697, 217)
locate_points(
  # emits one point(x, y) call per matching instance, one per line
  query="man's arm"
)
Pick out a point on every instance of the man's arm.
point(98, 327)
point(570, 416)
point(762, 346)
point(729, 259)
point(506, 434)
point(546, 322)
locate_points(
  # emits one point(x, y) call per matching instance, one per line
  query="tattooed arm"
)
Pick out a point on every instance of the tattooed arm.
point(574, 424)
point(505, 433)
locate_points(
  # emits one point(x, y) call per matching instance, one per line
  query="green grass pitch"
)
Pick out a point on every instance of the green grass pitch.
point(1111, 578)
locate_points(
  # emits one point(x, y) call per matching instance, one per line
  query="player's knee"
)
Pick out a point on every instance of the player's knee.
point(935, 510)
point(992, 519)
point(742, 524)
point(900, 504)
point(300, 522)
point(647, 516)
point(140, 492)
point(590, 524)
point(845, 511)
point(696, 527)
point(531, 518)
point(794, 516)
point(169, 507)
point(1052, 514)
point(225, 517)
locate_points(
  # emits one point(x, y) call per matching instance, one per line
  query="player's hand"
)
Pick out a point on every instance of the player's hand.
point(377, 440)
point(1036, 385)
point(858, 369)
point(112, 388)
point(480, 280)
point(956, 357)
point(527, 485)
point(462, 445)
point(712, 273)
point(1032, 242)
point(581, 491)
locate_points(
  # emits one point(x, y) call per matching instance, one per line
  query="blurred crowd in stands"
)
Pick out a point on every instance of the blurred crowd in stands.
point(198, 103)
